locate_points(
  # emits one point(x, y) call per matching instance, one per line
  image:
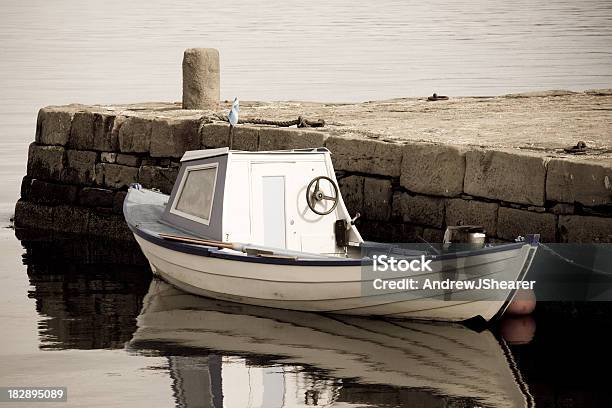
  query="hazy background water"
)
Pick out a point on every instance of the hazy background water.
point(65, 51)
point(128, 51)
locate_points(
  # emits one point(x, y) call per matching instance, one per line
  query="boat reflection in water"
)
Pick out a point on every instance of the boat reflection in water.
point(303, 359)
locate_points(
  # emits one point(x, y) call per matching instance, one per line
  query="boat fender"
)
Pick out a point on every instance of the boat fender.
point(341, 231)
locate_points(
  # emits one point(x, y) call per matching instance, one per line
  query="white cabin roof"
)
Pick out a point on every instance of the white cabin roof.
point(202, 154)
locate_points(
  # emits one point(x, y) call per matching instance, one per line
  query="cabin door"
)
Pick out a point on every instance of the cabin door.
point(270, 214)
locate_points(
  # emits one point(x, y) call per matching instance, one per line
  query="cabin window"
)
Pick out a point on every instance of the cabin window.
point(196, 193)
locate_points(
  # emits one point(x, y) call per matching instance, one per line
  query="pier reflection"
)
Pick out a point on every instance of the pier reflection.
point(87, 291)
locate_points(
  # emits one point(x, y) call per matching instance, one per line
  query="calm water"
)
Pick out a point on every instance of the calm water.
point(96, 323)
point(87, 315)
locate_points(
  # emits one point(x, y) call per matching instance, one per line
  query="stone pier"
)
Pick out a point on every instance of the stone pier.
point(409, 166)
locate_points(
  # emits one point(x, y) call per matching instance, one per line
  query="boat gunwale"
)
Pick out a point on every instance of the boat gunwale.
point(210, 251)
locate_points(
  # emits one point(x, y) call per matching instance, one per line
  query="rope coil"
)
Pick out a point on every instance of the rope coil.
point(300, 122)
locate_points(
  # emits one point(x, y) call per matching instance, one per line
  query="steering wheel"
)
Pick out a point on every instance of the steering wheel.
point(315, 195)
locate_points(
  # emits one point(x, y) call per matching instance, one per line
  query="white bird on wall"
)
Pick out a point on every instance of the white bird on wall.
point(233, 120)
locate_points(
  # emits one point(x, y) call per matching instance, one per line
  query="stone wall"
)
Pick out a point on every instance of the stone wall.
point(84, 158)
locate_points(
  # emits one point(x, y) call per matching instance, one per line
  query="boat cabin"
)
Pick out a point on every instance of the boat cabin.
point(282, 199)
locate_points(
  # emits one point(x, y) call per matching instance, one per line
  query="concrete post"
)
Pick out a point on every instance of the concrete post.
point(201, 78)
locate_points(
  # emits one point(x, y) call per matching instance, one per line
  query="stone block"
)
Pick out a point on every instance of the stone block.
point(245, 138)
point(351, 188)
point(80, 167)
point(506, 176)
point(161, 178)
point(51, 193)
point(108, 157)
point(32, 215)
point(53, 126)
point(419, 209)
point(377, 195)
point(115, 175)
point(105, 138)
point(273, 138)
point(581, 229)
point(536, 209)
point(118, 202)
point(173, 137)
point(573, 181)
point(93, 131)
point(201, 78)
point(96, 197)
point(26, 183)
point(214, 135)
point(109, 224)
point(471, 212)
point(433, 169)
point(128, 160)
point(118, 122)
point(62, 218)
point(365, 156)
point(134, 135)
point(562, 209)
point(68, 218)
point(82, 131)
point(380, 231)
point(169, 163)
point(149, 161)
point(433, 235)
point(512, 222)
point(46, 162)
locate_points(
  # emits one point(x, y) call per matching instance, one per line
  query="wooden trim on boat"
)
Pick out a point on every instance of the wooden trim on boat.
point(212, 250)
point(197, 241)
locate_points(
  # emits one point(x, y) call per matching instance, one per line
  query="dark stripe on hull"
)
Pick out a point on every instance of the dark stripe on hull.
point(215, 253)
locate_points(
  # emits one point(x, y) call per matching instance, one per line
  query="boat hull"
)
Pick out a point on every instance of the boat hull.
point(340, 288)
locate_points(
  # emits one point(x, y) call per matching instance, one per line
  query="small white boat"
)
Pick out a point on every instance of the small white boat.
point(271, 229)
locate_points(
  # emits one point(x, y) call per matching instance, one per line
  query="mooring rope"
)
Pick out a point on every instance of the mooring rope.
point(571, 261)
point(300, 121)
